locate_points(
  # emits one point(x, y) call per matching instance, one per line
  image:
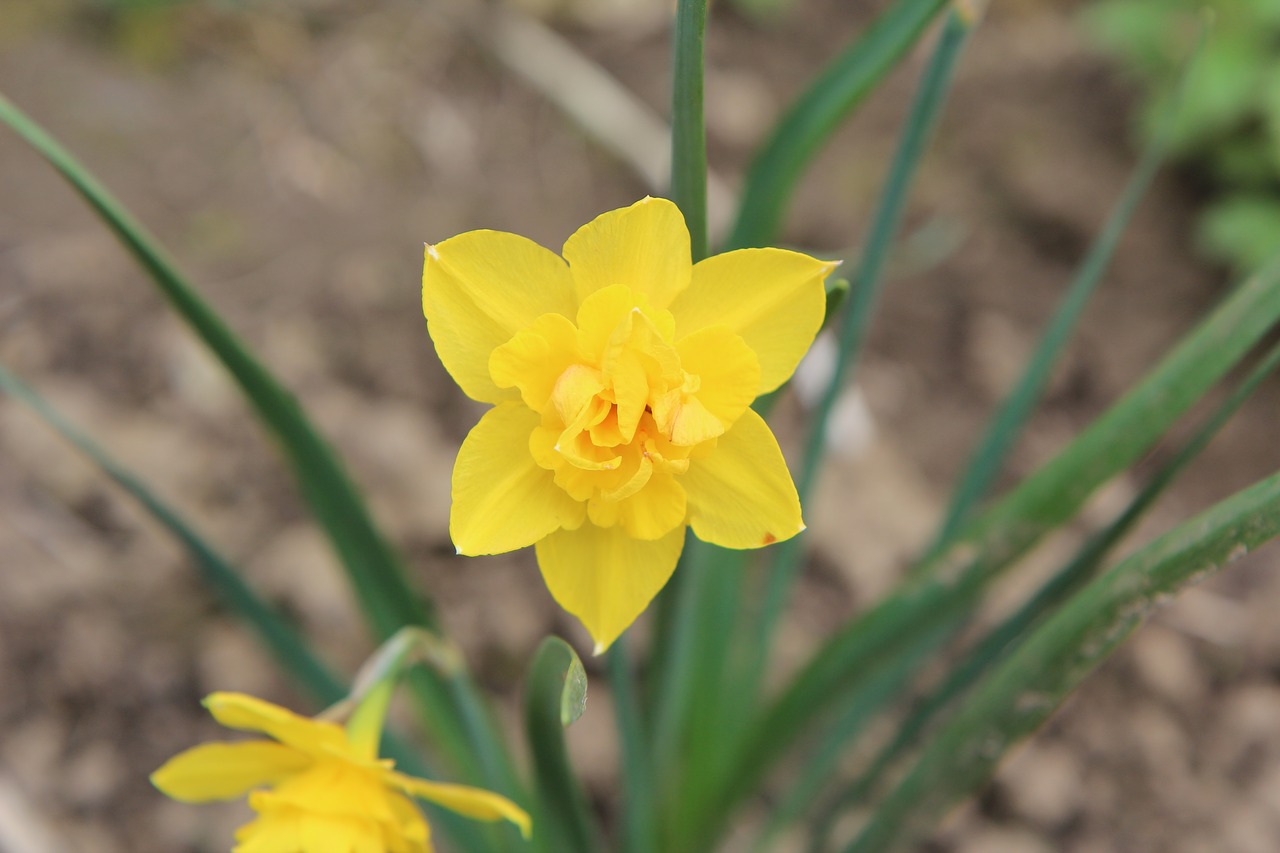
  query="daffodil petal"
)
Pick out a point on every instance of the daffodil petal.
point(332, 787)
point(300, 830)
point(412, 829)
point(270, 833)
point(644, 246)
point(773, 298)
point(605, 576)
point(471, 802)
point(741, 494)
point(322, 834)
point(534, 359)
point(250, 714)
point(225, 771)
point(478, 290)
point(599, 315)
point(655, 510)
point(728, 371)
point(502, 499)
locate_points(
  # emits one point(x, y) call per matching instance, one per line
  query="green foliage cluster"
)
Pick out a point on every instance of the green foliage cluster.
point(702, 724)
point(1229, 123)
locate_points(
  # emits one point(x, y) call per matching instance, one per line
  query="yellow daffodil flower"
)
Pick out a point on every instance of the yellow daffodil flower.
point(317, 787)
point(622, 377)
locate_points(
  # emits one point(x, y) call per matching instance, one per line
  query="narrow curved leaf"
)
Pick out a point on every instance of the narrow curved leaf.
point(639, 819)
point(807, 124)
point(1009, 420)
point(868, 283)
point(555, 696)
point(281, 639)
point(952, 582)
point(732, 663)
point(1024, 690)
point(997, 643)
point(374, 568)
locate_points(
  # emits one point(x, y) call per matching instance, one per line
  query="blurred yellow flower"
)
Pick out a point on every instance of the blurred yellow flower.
point(316, 787)
point(621, 378)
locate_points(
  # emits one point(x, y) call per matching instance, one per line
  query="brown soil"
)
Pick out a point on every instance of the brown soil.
point(295, 157)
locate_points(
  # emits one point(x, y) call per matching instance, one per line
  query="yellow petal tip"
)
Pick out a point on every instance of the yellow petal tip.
point(600, 648)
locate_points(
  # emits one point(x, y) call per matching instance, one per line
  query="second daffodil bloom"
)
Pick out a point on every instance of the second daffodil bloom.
point(317, 787)
point(622, 377)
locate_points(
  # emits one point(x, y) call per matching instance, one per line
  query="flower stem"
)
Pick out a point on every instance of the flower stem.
point(688, 124)
point(364, 729)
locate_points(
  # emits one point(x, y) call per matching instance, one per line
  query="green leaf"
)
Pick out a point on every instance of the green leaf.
point(951, 583)
point(868, 283)
point(1244, 161)
point(290, 650)
point(555, 695)
point(1007, 425)
point(1271, 119)
point(1024, 690)
point(1243, 230)
point(375, 569)
point(884, 683)
point(639, 817)
point(373, 566)
point(1054, 493)
point(1137, 31)
point(995, 645)
point(811, 119)
point(764, 11)
point(731, 664)
point(703, 599)
point(693, 734)
point(1261, 14)
point(1223, 91)
point(281, 639)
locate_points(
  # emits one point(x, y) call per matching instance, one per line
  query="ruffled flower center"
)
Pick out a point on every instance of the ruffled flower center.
point(333, 805)
point(623, 405)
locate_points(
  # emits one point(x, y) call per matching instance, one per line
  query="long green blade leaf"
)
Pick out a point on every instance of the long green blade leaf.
point(281, 640)
point(1054, 493)
point(730, 663)
point(1079, 571)
point(1007, 425)
point(555, 695)
point(373, 566)
point(1048, 498)
point(817, 113)
point(881, 687)
point(868, 280)
point(376, 570)
point(700, 605)
point(639, 819)
point(1033, 682)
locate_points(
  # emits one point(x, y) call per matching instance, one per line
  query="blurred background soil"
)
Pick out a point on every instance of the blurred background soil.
point(295, 156)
